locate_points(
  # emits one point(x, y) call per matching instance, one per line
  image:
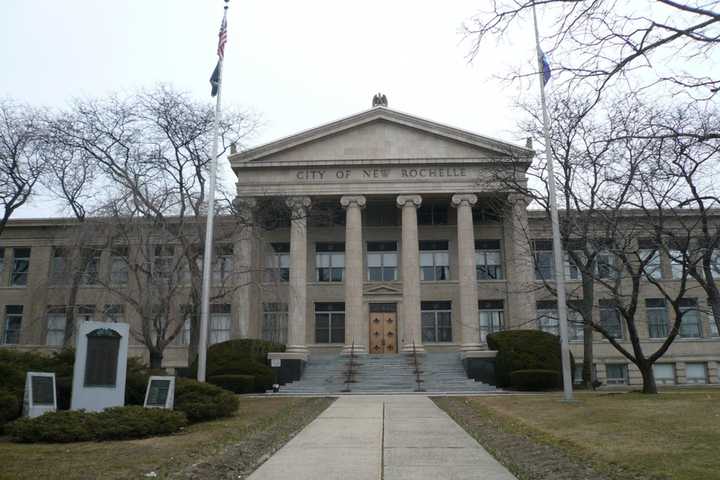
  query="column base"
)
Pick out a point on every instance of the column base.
point(299, 351)
point(353, 349)
point(407, 349)
point(472, 347)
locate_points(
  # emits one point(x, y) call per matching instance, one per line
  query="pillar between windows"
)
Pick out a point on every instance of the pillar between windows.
point(297, 295)
point(410, 257)
point(521, 267)
point(246, 254)
point(469, 320)
point(356, 334)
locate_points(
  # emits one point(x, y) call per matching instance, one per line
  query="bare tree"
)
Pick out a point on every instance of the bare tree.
point(21, 166)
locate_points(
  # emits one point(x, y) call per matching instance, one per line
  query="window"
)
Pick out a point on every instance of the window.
point(576, 324)
point(605, 265)
point(547, 316)
point(13, 324)
point(690, 326)
point(381, 215)
point(664, 373)
point(577, 374)
point(649, 252)
point(20, 268)
point(486, 214)
point(275, 322)
point(56, 320)
point(696, 372)
point(610, 318)
point(58, 267)
point(544, 260)
point(488, 260)
point(617, 373)
point(223, 266)
point(114, 313)
point(572, 272)
point(188, 315)
point(434, 260)
point(491, 317)
point(713, 327)
point(220, 321)
point(92, 265)
point(163, 261)
point(330, 262)
point(657, 317)
point(85, 313)
point(436, 321)
point(330, 322)
point(277, 263)
point(119, 266)
point(677, 262)
point(382, 260)
point(432, 214)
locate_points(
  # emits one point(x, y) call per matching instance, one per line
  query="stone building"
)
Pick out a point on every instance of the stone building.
point(401, 236)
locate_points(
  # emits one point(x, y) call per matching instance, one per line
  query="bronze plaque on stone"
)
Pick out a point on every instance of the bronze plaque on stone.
point(101, 362)
point(42, 390)
point(158, 393)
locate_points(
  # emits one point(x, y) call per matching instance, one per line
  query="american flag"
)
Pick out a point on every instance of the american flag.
point(222, 38)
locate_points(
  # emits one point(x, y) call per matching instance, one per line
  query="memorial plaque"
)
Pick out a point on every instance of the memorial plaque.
point(158, 393)
point(103, 345)
point(43, 390)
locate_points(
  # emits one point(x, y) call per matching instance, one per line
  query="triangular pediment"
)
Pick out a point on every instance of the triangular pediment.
point(383, 289)
point(380, 133)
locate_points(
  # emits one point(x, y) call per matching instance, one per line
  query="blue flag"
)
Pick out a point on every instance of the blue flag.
point(215, 80)
point(546, 68)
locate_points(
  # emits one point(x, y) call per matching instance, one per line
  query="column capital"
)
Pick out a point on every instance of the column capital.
point(515, 198)
point(298, 203)
point(414, 200)
point(460, 199)
point(350, 200)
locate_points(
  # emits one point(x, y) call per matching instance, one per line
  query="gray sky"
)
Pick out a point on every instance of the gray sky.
point(296, 64)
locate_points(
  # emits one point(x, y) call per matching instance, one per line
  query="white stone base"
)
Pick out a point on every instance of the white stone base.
point(478, 354)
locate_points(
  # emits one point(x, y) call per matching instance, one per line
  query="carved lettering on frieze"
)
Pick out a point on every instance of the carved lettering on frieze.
point(318, 175)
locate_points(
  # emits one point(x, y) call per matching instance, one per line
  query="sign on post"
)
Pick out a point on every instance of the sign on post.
point(40, 394)
point(160, 392)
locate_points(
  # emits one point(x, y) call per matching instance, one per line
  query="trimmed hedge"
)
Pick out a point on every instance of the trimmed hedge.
point(535, 379)
point(234, 383)
point(524, 350)
point(202, 401)
point(242, 357)
point(117, 423)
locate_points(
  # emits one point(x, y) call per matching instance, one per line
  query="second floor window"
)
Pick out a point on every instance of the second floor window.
point(544, 260)
point(382, 261)
point(220, 322)
point(329, 262)
point(163, 261)
point(58, 267)
point(436, 319)
point(657, 317)
point(56, 319)
point(277, 263)
point(92, 266)
point(275, 322)
point(21, 267)
point(690, 326)
point(114, 313)
point(434, 260)
point(610, 318)
point(119, 267)
point(488, 260)
point(547, 316)
point(491, 317)
point(223, 266)
point(86, 313)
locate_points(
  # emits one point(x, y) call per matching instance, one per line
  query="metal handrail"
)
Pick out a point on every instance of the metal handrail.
point(350, 372)
point(416, 364)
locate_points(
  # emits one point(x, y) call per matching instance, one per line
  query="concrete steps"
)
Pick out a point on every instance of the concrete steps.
point(439, 372)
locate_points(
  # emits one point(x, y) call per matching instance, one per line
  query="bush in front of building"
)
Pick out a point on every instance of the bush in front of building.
point(234, 383)
point(203, 401)
point(118, 423)
point(535, 379)
point(524, 350)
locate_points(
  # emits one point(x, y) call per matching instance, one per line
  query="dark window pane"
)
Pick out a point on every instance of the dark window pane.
point(337, 274)
point(42, 390)
point(389, 274)
point(427, 273)
point(375, 274)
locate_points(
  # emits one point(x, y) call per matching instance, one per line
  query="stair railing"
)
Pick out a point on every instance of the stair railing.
point(350, 370)
point(416, 366)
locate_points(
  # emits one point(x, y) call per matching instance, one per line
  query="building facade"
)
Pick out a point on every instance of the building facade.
point(400, 236)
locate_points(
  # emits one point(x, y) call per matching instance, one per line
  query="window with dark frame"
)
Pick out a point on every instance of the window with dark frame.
point(277, 263)
point(617, 373)
point(223, 264)
point(330, 322)
point(544, 269)
point(114, 313)
point(434, 260)
point(491, 316)
point(382, 261)
point(275, 322)
point(329, 262)
point(610, 318)
point(56, 322)
point(432, 214)
point(690, 326)
point(119, 266)
point(220, 323)
point(58, 267)
point(21, 267)
point(488, 260)
point(13, 324)
point(436, 319)
point(92, 267)
point(657, 317)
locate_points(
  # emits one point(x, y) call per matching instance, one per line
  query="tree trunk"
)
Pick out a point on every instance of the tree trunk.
point(71, 311)
point(156, 358)
point(714, 300)
point(648, 377)
point(588, 375)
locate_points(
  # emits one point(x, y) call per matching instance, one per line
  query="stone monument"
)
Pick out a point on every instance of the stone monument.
point(160, 392)
point(40, 396)
point(100, 366)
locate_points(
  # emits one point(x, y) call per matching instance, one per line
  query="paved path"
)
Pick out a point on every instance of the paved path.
point(382, 437)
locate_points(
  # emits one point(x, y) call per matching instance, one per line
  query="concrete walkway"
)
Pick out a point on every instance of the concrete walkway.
point(382, 437)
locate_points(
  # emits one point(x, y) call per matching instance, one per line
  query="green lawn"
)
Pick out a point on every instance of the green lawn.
point(674, 435)
point(260, 426)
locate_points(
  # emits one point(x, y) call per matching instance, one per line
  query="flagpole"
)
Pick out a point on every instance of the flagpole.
point(208, 252)
point(557, 244)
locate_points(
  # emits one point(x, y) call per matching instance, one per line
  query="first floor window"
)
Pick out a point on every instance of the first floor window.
point(330, 322)
point(275, 322)
point(114, 313)
point(617, 373)
point(13, 324)
point(223, 265)
point(220, 321)
point(382, 260)
point(56, 319)
point(91, 267)
point(277, 263)
point(664, 373)
point(85, 313)
point(436, 321)
point(690, 325)
point(434, 260)
point(696, 372)
point(491, 317)
point(610, 319)
point(547, 317)
point(330, 262)
point(657, 317)
point(488, 260)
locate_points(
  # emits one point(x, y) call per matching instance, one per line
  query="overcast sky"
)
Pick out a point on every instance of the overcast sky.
point(295, 64)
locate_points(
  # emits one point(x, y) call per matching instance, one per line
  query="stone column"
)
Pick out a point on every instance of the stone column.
point(410, 258)
point(245, 299)
point(297, 294)
point(354, 324)
point(520, 264)
point(469, 322)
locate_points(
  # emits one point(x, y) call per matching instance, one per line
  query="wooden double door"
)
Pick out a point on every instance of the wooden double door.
point(383, 329)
